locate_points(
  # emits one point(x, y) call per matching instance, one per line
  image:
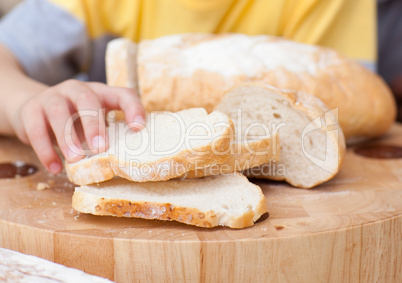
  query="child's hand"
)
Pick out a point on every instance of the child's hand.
point(48, 114)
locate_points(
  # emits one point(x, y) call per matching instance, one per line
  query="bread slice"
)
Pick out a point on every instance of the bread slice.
point(170, 145)
point(312, 144)
point(173, 70)
point(244, 155)
point(229, 200)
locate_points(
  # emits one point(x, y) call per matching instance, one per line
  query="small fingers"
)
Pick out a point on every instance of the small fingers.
point(89, 108)
point(124, 99)
point(61, 122)
point(38, 136)
point(93, 121)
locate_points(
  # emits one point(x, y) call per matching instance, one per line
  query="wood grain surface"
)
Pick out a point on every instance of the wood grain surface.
point(346, 230)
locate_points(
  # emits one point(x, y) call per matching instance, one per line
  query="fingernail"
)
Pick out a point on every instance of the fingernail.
point(139, 119)
point(139, 122)
point(98, 142)
point(54, 168)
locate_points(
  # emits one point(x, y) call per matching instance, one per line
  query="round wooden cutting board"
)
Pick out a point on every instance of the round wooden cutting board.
point(348, 229)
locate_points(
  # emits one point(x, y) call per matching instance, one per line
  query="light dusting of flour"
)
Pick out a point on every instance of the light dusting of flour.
point(233, 55)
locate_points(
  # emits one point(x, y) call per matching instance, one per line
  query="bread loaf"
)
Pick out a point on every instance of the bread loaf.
point(194, 70)
point(312, 144)
point(170, 145)
point(229, 200)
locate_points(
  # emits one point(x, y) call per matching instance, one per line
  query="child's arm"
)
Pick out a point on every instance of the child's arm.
point(37, 113)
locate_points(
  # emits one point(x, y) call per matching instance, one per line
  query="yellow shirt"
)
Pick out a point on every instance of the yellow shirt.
point(346, 25)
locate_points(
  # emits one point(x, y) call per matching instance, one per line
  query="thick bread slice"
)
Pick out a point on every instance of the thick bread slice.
point(206, 202)
point(175, 69)
point(244, 155)
point(312, 145)
point(121, 68)
point(170, 145)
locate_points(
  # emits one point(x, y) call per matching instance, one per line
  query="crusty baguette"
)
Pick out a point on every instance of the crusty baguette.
point(312, 144)
point(244, 155)
point(194, 70)
point(170, 145)
point(229, 200)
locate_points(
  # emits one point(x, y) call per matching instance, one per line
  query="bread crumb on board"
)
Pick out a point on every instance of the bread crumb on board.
point(42, 186)
point(45, 185)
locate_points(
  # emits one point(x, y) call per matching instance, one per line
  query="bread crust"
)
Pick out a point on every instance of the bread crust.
point(97, 205)
point(103, 168)
point(366, 105)
point(121, 68)
point(244, 156)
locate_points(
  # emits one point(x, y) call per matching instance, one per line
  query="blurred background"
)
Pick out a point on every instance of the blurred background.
point(7, 5)
point(389, 36)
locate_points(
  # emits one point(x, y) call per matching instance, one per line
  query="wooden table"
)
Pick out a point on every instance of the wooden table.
point(349, 229)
